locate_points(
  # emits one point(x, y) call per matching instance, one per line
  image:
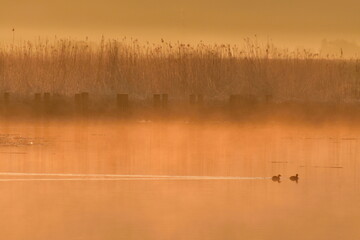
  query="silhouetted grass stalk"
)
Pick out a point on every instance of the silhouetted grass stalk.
point(216, 71)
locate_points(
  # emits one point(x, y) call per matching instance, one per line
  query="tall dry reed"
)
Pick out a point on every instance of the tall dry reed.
point(112, 66)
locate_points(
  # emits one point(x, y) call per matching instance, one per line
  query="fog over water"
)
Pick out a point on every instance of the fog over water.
point(163, 180)
point(184, 120)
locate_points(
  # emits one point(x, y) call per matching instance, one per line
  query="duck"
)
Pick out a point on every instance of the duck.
point(276, 178)
point(294, 178)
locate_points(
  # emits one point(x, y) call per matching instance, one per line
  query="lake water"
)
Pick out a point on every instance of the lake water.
point(174, 180)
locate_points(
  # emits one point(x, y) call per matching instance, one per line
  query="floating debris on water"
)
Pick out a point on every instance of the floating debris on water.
point(13, 140)
point(13, 153)
point(323, 166)
point(328, 167)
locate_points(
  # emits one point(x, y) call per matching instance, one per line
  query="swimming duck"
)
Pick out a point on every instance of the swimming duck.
point(294, 178)
point(276, 178)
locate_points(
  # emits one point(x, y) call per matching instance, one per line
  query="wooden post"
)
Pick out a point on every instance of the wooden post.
point(85, 101)
point(156, 100)
point(233, 100)
point(251, 100)
point(165, 100)
point(37, 103)
point(47, 97)
point(78, 98)
point(192, 99)
point(200, 99)
point(37, 97)
point(123, 102)
point(47, 102)
point(268, 98)
point(77, 103)
point(6, 98)
point(6, 102)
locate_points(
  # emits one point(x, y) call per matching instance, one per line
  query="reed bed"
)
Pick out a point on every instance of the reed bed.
point(65, 67)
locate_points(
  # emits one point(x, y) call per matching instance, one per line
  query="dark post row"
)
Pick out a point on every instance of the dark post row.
point(159, 100)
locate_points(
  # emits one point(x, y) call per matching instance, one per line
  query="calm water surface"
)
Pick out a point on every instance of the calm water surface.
point(88, 197)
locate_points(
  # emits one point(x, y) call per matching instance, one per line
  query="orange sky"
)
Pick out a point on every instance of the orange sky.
point(286, 22)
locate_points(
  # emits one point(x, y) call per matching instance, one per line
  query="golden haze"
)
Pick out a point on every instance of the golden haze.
point(288, 23)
